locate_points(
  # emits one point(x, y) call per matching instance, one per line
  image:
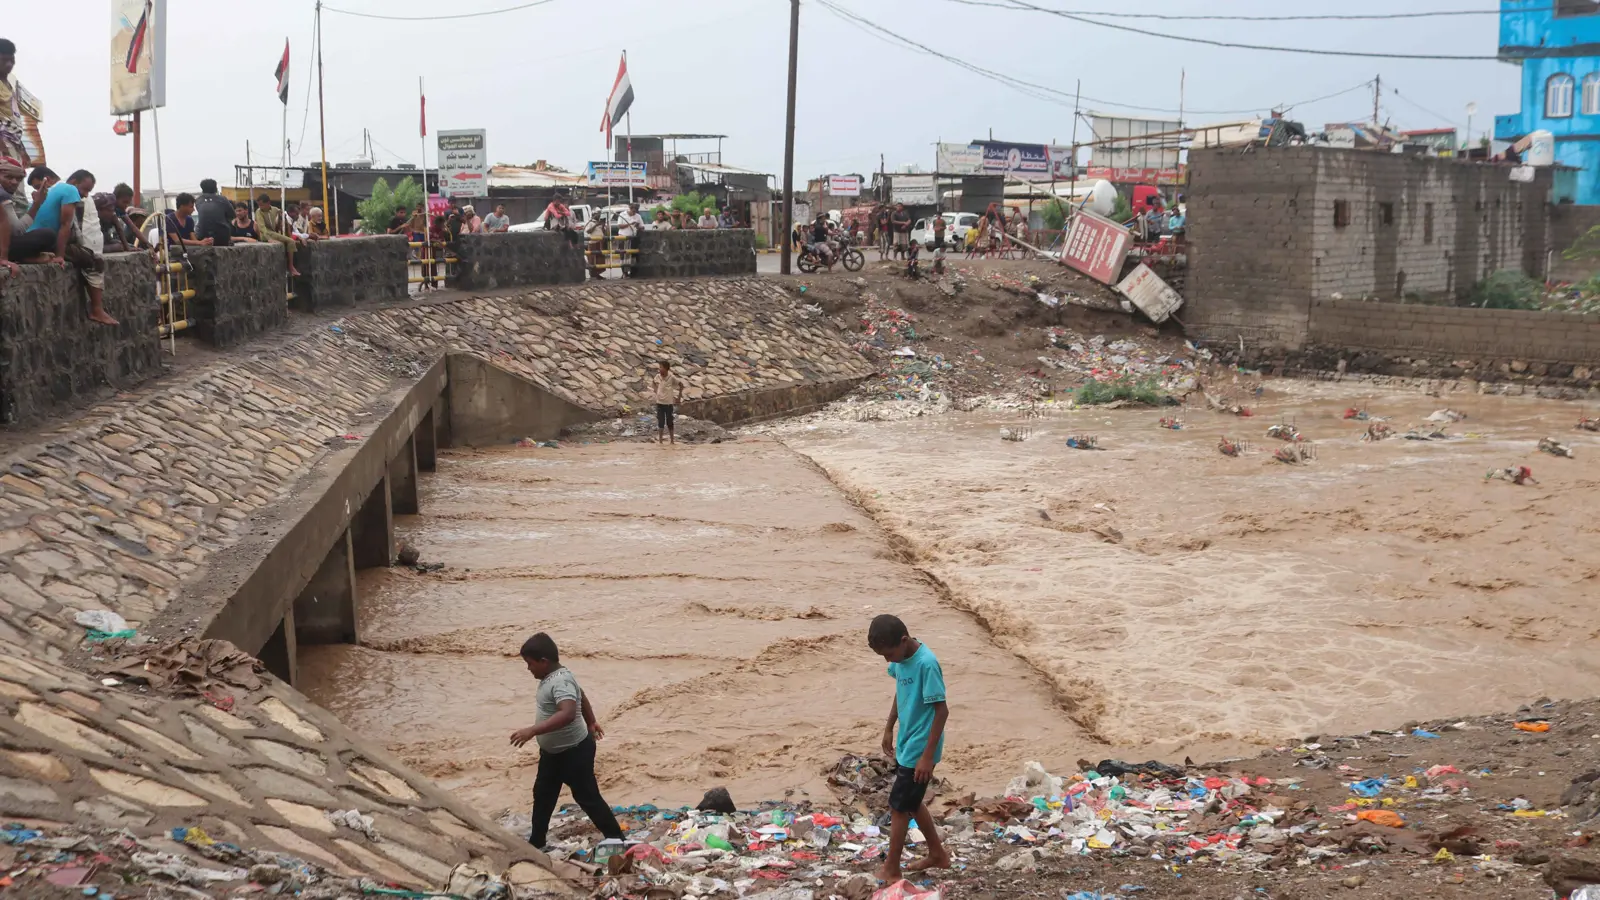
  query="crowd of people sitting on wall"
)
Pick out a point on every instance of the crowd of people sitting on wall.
point(47, 220)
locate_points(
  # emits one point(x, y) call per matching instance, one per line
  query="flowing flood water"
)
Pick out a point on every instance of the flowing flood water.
point(1154, 598)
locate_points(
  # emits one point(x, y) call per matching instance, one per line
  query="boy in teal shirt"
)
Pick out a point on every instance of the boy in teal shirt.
point(919, 708)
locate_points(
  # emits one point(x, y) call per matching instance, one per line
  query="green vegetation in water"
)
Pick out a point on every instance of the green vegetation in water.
point(1139, 390)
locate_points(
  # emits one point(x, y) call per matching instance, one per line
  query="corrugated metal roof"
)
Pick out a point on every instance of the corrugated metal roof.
point(720, 169)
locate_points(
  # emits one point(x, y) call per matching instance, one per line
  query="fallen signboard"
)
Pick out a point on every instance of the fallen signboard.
point(1096, 246)
point(1154, 297)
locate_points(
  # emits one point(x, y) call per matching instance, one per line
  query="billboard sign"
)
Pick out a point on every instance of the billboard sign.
point(1154, 297)
point(1137, 176)
point(617, 174)
point(844, 185)
point(912, 190)
point(1096, 246)
point(1141, 147)
point(1021, 162)
point(463, 163)
point(138, 55)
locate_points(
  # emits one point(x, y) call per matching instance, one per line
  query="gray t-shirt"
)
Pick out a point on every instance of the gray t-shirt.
point(553, 688)
point(493, 223)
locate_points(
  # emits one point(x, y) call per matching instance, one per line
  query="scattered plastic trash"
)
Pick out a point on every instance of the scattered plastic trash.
point(1554, 447)
point(355, 821)
point(1377, 431)
point(103, 625)
point(1016, 433)
point(1171, 423)
point(1513, 474)
point(1229, 447)
point(1084, 442)
point(1385, 817)
point(1420, 733)
point(528, 443)
point(1588, 423)
point(1538, 727)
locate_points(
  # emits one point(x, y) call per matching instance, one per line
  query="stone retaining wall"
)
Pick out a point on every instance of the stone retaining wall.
point(52, 357)
point(346, 271)
point(240, 291)
point(686, 254)
point(489, 261)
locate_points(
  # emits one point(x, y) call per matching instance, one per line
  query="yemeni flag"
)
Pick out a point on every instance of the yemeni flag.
point(141, 33)
point(283, 75)
point(619, 102)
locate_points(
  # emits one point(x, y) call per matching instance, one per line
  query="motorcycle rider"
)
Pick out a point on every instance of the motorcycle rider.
point(819, 246)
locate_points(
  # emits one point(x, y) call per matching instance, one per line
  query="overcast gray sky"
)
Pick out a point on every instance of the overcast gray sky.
point(537, 78)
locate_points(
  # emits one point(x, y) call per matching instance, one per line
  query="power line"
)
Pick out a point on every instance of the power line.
point(474, 15)
point(1419, 106)
point(1234, 45)
point(311, 76)
point(1039, 91)
point(1349, 17)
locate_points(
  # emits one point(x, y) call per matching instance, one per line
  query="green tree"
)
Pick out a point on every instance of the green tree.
point(693, 203)
point(1506, 289)
point(378, 209)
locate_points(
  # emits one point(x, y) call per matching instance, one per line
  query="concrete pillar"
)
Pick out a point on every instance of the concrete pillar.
point(372, 529)
point(325, 612)
point(279, 653)
point(403, 480)
point(441, 421)
point(427, 444)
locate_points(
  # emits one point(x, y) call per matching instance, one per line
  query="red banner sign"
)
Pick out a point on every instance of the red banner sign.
point(1136, 176)
point(1096, 247)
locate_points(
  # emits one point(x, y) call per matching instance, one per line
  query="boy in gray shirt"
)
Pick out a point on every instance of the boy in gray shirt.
point(566, 731)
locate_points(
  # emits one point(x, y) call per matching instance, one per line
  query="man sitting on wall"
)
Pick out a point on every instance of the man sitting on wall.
point(58, 216)
point(558, 217)
point(17, 244)
point(273, 225)
point(212, 213)
point(497, 222)
point(180, 224)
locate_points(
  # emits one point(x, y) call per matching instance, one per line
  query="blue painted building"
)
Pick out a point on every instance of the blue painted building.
point(1556, 43)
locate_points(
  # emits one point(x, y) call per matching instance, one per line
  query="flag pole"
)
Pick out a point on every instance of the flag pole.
point(629, 117)
point(283, 179)
point(427, 207)
point(322, 127)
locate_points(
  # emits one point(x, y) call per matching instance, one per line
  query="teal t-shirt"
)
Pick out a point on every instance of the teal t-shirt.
point(918, 685)
point(57, 205)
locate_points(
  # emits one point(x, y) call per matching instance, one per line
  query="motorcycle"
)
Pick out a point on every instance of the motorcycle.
point(843, 252)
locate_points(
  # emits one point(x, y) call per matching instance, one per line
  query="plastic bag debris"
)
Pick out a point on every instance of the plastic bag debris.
point(103, 625)
point(355, 821)
point(1385, 817)
point(178, 869)
point(905, 890)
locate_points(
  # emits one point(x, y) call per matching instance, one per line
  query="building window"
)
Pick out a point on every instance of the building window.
point(1558, 97)
point(1386, 213)
point(1591, 94)
point(1341, 213)
point(1427, 223)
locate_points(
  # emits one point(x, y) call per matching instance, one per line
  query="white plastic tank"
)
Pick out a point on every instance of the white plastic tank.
point(1102, 198)
point(1541, 149)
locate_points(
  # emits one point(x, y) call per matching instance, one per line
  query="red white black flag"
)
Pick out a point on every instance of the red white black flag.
point(283, 75)
point(620, 100)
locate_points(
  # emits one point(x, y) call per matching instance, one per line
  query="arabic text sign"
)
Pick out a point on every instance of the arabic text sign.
point(617, 174)
point(844, 185)
point(1022, 162)
point(912, 190)
point(1096, 247)
point(463, 164)
point(1154, 297)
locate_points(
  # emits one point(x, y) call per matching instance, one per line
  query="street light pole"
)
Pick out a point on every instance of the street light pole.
point(788, 139)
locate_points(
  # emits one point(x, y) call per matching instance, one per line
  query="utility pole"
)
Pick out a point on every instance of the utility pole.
point(1377, 95)
point(788, 139)
point(322, 135)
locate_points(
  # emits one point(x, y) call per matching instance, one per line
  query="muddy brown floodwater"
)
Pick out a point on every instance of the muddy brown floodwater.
point(713, 601)
point(1154, 598)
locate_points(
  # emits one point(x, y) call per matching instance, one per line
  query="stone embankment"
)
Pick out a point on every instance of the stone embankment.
point(159, 505)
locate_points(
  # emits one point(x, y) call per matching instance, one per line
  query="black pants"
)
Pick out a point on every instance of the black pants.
point(28, 244)
point(666, 417)
point(574, 768)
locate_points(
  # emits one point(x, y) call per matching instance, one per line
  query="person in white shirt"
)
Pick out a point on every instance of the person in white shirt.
point(667, 390)
point(628, 228)
point(708, 218)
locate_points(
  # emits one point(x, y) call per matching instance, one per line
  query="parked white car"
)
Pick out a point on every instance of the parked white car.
point(955, 232)
point(580, 214)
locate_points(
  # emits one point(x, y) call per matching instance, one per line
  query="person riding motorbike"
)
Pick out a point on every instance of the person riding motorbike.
point(819, 245)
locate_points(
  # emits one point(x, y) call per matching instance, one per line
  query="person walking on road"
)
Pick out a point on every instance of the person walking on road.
point(667, 389)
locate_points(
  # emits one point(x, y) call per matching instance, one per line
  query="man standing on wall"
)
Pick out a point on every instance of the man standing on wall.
point(667, 389)
point(12, 143)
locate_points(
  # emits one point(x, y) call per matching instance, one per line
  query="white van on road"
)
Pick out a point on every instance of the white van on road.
point(956, 226)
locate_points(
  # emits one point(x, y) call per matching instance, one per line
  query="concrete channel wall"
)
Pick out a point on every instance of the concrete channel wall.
point(238, 501)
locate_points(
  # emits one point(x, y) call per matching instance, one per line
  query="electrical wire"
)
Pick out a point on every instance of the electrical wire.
point(1235, 45)
point(311, 76)
point(473, 15)
point(1345, 17)
point(398, 157)
point(1044, 92)
point(1419, 106)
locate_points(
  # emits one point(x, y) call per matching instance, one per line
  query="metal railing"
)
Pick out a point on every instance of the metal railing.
point(431, 261)
point(602, 254)
point(174, 293)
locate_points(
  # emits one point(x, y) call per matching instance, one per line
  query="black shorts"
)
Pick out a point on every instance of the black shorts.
point(664, 415)
point(907, 793)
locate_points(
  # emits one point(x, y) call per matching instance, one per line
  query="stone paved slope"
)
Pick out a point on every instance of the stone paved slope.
point(123, 508)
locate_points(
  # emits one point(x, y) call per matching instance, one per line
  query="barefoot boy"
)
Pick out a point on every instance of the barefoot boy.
point(920, 709)
point(566, 730)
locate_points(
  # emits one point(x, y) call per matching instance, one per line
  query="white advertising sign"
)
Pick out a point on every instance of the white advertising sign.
point(912, 190)
point(463, 163)
point(1154, 297)
point(844, 185)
